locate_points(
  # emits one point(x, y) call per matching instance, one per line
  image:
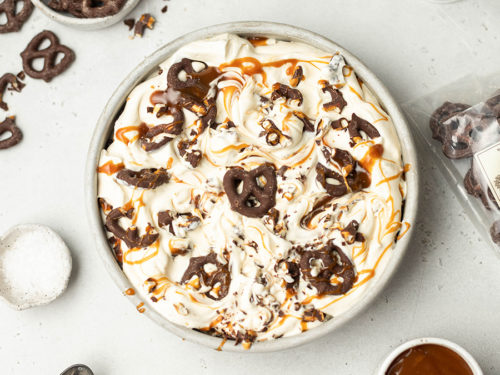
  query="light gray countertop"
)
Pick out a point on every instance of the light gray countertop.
point(448, 284)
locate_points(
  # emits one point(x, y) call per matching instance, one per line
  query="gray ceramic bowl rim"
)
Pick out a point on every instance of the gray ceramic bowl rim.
point(86, 23)
point(144, 69)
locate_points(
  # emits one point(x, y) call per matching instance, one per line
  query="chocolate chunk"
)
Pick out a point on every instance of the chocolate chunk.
point(165, 218)
point(9, 82)
point(337, 103)
point(283, 91)
point(219, 276)
point(440, 115)
point(130, 235)
point(495, 232)
point(308, 125)
point(282, 170)
point(9, 126)
point(350, 233)
point(272, 220)
point(312, 314)
point(340, 123)
point(164, 9)
point(358, 124)
point(51, 68)
point(14, 18)
point(149, 178)
point(318, 267)
point(117, 249)
point(298, 76)
point(246, 336)
point(193, 157)
point(253, 200)
point(293, 271)
point(130, 22)
point(145, 21)
point(274, 136)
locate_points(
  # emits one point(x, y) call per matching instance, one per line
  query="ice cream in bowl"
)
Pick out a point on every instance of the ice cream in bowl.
point(256, 187)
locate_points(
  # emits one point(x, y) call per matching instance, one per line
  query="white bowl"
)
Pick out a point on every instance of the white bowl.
point(476, 370)
point(85, 23)
point(104, 128)
point(19, 253)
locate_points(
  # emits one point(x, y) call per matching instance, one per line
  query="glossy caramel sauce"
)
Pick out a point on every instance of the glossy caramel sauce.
point(429, 359)
point(130, 292)
point(251, 66)
point(110, 168)
point(140, 130)
point(372, 156)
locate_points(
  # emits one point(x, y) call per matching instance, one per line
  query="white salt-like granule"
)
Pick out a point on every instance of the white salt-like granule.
point(34, 266)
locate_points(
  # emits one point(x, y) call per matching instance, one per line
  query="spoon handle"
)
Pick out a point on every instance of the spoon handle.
point(78, 370)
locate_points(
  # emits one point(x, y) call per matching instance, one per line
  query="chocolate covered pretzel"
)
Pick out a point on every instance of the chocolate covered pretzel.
point(283, 91)
point(9, 126)
point(219, 277)
point(319, 266)
point(149, 178)
point(440, 115)
point(159, 135)
point(9, 82)
point(254, 200)
point(15, 19)
point(130, 235)
point(51, 68)
point(473, 187)
point(358, 125)
point(459, 130)
point(87, 8)
point(337, 102)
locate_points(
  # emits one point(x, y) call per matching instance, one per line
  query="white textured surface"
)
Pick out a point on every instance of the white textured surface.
point(447, 285)
point(35, 266)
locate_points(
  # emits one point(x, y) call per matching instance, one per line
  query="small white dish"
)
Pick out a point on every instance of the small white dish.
point(86, 23)
point(35, 266)
point(476, 370)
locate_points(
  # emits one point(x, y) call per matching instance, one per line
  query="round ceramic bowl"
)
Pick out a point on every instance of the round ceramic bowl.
point(476, 370)
point(85, 23)
point(284, 32)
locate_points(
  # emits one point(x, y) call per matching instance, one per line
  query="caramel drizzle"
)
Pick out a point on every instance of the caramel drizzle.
point(140, 130)
point(155, 246)
point(110, 168)
point(251, 66)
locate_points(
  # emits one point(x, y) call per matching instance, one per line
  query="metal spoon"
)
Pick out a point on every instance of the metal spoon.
point(78, 370)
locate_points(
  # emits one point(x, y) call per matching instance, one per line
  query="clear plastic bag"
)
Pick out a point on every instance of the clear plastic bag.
point(460, 124)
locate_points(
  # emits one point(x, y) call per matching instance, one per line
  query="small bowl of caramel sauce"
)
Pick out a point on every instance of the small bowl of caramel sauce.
point(429, 356)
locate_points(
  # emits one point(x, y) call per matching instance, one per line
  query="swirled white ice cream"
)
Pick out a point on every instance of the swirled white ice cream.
point(295, 246)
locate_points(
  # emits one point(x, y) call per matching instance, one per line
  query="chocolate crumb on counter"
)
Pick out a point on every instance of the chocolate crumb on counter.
point(130, 23)
point(145, 21)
